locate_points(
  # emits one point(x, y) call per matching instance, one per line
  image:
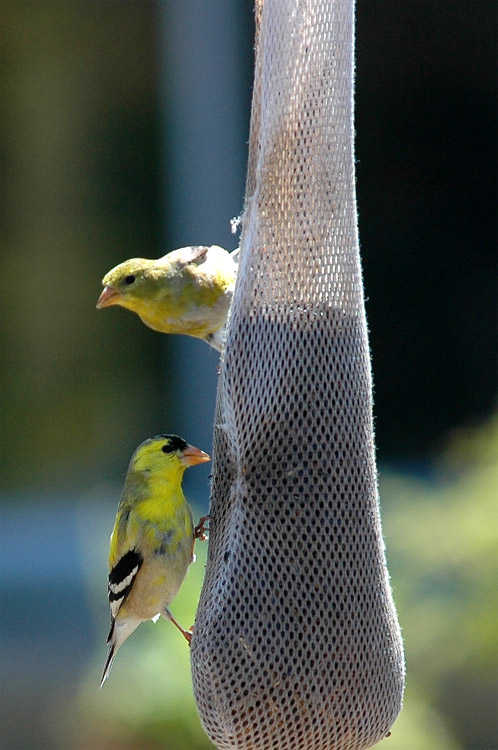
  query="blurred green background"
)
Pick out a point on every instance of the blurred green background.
point(123, 132)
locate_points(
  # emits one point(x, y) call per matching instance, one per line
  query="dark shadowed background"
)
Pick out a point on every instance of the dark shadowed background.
point(124, 133)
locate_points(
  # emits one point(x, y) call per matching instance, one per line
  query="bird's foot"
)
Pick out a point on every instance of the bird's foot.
point(200, 529)
point(188, 634)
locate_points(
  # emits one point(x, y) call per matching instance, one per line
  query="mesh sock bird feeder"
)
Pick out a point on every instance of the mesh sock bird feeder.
point(296, 644)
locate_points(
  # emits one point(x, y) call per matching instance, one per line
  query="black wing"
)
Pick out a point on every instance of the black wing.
point(198, 254)
point(121, 579)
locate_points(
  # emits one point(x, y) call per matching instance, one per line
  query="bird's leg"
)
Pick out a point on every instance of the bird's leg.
point(186, 633)
point(200, 529)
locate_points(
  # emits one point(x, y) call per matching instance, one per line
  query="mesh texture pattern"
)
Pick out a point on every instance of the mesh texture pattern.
point(296, 644)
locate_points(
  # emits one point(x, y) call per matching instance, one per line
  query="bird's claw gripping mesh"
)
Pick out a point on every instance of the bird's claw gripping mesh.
point(296, 643)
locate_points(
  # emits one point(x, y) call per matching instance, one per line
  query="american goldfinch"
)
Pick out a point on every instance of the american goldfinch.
point(153, 538)
point(186, 291)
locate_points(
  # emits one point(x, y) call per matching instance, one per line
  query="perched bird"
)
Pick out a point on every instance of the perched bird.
point(186, 291)
point(153, 538)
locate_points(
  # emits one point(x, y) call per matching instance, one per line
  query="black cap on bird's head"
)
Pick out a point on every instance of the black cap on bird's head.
point(189, 454)
point(172, 443)
point(165, 454)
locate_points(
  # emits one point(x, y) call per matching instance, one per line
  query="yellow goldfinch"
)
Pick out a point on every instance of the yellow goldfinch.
point(186, 291)
point(153, 538)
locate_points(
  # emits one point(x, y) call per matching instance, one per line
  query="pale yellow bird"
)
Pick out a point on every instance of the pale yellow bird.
point(187, 291)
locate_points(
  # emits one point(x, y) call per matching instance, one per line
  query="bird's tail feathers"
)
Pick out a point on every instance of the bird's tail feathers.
point(111, 631)
point(217, 338)
point(119, 632)
point(108, 663)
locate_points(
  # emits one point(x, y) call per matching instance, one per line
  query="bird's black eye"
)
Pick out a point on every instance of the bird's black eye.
point(129, 279)
point(167, 448)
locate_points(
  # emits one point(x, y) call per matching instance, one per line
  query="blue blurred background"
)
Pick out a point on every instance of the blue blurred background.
point(124, 132)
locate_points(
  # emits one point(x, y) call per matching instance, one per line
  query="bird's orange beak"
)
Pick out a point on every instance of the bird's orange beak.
point(108, 297)
point(192, 456)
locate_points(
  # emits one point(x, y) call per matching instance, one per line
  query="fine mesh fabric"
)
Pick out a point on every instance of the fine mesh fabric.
point(296, 644)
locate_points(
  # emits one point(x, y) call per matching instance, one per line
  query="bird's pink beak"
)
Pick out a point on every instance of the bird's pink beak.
point(192, 456)
point(108, 297)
